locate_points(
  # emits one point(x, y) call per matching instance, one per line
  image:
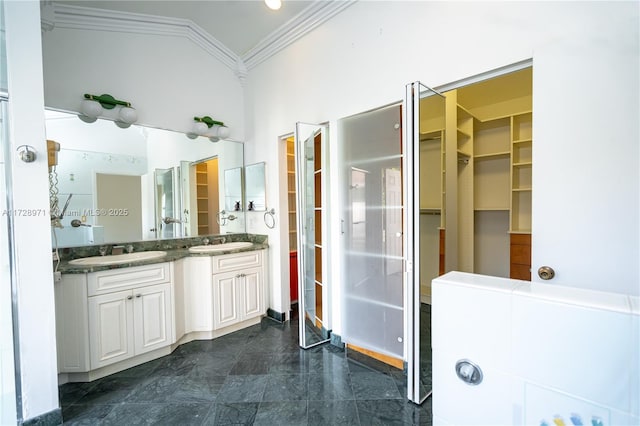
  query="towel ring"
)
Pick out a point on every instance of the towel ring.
point(221, 218)
point(270, 213)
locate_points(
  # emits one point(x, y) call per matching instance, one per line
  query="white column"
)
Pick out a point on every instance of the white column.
point(36, 314)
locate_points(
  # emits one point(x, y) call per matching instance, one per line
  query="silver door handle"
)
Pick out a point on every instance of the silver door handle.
point(469, 372)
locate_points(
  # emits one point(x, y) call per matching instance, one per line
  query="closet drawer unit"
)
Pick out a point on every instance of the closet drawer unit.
point(102, 282)
point(231, 262)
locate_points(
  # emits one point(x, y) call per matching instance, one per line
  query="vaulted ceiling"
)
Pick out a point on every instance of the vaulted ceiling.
point(241, 32)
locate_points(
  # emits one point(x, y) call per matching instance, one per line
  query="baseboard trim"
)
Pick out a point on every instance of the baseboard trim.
point(275, 315)
point(387, 359)
point(336, 340)
point(52, 418)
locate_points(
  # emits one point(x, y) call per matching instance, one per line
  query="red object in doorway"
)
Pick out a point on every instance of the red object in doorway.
point(293, 275)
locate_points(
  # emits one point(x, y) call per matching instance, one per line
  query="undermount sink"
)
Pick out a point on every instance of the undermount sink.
point(220, 247)
point(116, 259)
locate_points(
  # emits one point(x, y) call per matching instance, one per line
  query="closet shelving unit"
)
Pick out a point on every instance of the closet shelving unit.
point(291, 207)
point(202, 197)
point(488, 222)
point(317, 191)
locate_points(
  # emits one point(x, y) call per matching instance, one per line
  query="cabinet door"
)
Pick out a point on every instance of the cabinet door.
point(110, 328)
point(225, 299)
point(252, 293)
point(152, 317)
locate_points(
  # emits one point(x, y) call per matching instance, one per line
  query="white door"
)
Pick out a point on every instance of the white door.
point(110, 326)
point(225, 299)
point(252, 305)
point(152, 317)
point(587, 184)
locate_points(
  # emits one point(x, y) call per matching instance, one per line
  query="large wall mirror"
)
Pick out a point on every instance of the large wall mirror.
point(139, 183)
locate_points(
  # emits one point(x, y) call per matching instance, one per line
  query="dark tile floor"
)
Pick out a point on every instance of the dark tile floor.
point(256, 376)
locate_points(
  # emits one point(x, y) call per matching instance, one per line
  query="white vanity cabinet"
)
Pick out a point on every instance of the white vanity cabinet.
point(238, 288)
point(109, 316)
point(129, 323)
point(197, 294)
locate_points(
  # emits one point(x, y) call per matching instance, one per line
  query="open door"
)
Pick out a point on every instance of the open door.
point(424, 127)
point(309, 139)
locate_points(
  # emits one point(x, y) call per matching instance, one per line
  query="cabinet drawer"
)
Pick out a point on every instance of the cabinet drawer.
point(102, 282)
point(230, 262)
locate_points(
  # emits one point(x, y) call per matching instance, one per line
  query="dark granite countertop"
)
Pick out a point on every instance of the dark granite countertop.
point(176, 249)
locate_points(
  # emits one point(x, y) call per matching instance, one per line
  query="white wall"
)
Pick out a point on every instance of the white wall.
point(363, 57)
point(36, 314)
point(168, 79)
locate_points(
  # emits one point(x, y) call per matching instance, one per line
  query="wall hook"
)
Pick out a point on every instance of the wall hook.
point(27, 153)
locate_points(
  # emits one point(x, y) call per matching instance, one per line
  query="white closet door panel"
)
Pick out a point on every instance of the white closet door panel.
point(586, 179)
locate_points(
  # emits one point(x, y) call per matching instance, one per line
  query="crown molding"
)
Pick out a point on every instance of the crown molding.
point(56, 15)
point(306, 21)
point(90, 19)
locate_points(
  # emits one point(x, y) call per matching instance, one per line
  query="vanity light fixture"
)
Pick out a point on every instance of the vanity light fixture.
point(94, 106)
point(208, 127)
point(273, 4)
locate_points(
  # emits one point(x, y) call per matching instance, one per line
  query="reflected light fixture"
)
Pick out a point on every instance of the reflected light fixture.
point(273, 4)
point(208, 127)
point(93, 106)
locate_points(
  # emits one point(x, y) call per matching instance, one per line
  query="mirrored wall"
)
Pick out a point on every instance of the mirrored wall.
point(138, 183)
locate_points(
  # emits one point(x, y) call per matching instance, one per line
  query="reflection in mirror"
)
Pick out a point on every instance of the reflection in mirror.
point(255, 187)
point(203, 198)
point(312, 283)
point(165, 202)
point(111, 174)
point(233, 189)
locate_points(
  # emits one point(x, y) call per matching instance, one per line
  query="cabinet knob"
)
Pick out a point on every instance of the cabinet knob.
point(129, 297)
point(138, 295)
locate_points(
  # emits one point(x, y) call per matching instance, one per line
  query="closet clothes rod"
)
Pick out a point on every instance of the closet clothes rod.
point(430, 212)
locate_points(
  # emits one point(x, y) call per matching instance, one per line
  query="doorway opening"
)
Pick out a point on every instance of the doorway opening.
point(204, 197)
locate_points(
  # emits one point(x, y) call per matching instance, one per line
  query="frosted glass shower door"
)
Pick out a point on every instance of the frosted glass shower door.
point(372, 230)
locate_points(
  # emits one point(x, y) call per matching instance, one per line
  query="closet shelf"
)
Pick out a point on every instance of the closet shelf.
point(430, 211)
point(529, 140)
point(492, 209)
point(492, 155)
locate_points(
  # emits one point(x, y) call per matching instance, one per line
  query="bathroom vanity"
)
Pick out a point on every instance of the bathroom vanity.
point(108, 320)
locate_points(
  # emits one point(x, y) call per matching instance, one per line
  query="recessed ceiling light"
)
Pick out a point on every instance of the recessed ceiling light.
point(273, 4)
